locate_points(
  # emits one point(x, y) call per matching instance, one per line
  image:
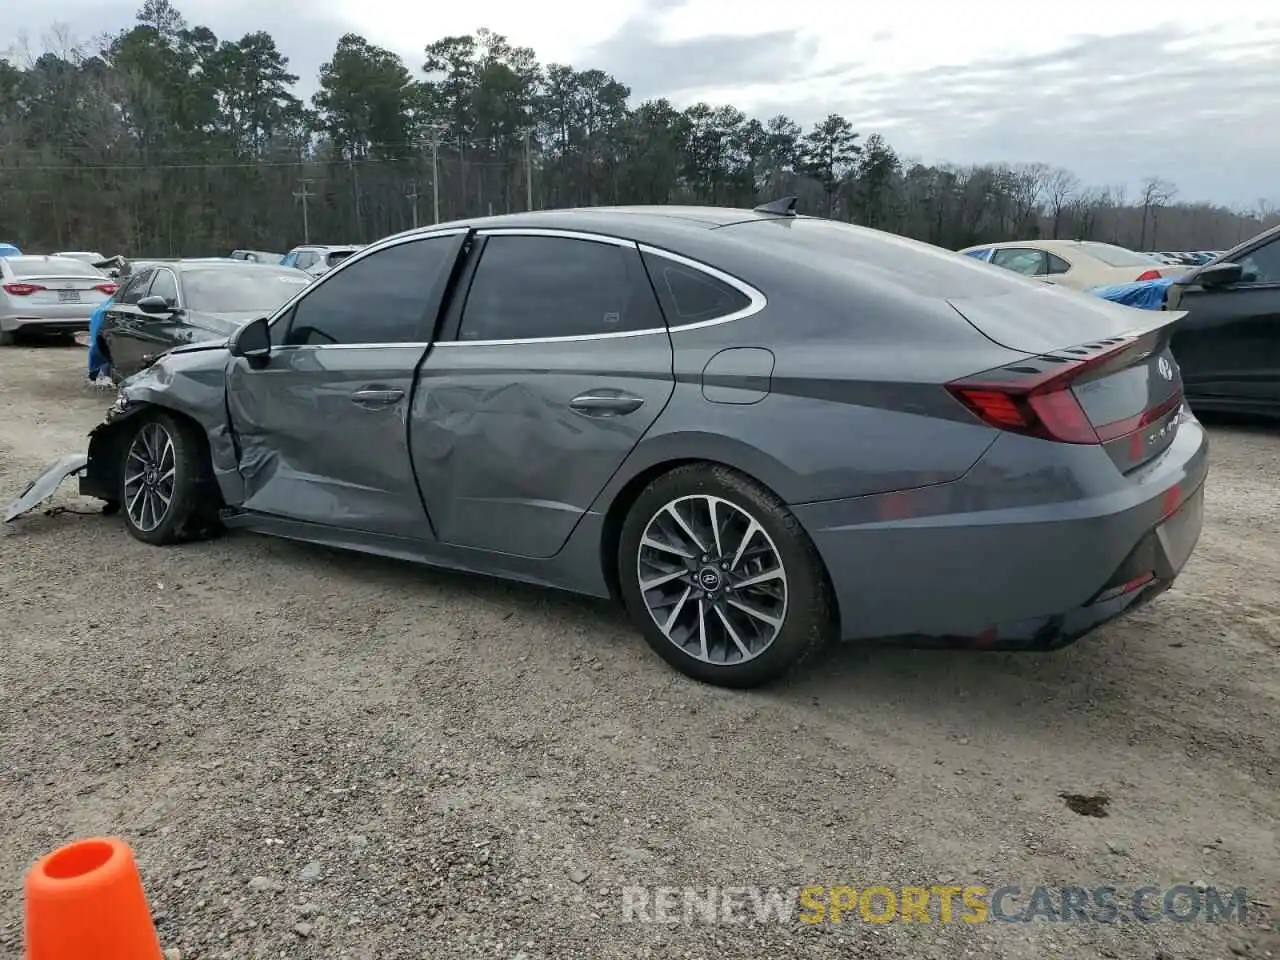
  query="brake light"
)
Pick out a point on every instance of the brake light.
point(107, 288)
point(1037, 403)
point(23, 289)
point(1149, 275)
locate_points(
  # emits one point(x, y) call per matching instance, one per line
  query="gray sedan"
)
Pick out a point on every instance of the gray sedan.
point(760, 431)
point(49, 295)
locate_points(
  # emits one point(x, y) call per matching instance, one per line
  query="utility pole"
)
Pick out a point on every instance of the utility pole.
point(412, 197)
point(304, 195)
point(435, 171)
point(528, 173)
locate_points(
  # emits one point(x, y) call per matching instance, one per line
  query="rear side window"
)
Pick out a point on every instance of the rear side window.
point(1057, 264)
point(337, 256)
point(688, 295)
point(380, 299)
point(533, 287)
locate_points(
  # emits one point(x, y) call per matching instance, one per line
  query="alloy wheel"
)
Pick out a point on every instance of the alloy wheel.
point(712, 580)
point(150, 477)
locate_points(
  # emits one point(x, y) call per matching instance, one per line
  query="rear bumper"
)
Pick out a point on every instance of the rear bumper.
point(1000, 558)
point(58, 324)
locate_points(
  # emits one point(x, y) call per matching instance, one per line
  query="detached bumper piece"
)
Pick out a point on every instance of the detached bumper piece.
point(46, 485)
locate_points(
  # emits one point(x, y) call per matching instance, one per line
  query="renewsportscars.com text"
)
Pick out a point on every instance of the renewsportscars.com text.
point(943, 903)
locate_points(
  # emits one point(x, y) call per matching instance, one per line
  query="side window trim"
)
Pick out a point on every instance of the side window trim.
point(285, 311)
point(758, 301)
point(176, 285)
point(454, 322)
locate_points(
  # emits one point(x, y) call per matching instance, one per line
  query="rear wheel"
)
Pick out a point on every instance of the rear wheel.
point(166, 487)
point(7, 338)
point(722, 579)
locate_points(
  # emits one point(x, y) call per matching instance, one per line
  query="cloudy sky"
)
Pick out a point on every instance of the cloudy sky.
point(1116, 91)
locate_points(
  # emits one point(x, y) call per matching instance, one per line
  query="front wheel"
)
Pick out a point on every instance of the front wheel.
point(165, 485)
point(722, 579)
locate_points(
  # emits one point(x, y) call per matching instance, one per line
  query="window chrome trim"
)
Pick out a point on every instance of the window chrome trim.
point(758, 300)
point(555, 232)
point(368, 251)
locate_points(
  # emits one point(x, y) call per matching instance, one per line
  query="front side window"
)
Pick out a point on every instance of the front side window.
point(1262, 265)
point(531, 287)
point(165, 285)
point(1030, 263)
point(382, 298)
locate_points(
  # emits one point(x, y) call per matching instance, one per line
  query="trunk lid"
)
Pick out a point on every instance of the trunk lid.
point(1115, 362)
point(52, 291)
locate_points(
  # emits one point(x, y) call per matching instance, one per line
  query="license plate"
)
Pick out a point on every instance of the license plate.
point(68, 296)
point(1178, 534)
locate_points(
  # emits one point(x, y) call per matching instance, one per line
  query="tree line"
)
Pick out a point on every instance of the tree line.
point(162, 139)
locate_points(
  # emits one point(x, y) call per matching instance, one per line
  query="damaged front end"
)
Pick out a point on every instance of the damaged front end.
point(97, 469)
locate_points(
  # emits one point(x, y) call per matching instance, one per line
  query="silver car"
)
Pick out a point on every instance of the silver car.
point(49, 295)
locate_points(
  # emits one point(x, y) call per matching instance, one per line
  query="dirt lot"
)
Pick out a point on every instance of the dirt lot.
point(323, 755)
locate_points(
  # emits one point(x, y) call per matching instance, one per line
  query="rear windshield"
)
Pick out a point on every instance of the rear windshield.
point(228, 290)
point(52, 267)
point(919, 267)
point(1114, 256)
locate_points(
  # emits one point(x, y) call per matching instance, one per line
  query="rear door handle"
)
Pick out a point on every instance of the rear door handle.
point(377, 398)
point(605, 404)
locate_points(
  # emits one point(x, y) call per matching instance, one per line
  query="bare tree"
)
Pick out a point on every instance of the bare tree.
point(1155, 194)
point(1060, 188)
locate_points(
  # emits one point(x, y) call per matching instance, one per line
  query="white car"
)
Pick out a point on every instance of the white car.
point(49, 295)
point(1079, 264)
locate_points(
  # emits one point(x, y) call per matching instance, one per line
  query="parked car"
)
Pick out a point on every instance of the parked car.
point(316, 260)
point(1226, 340)
point(1079, 264)
point(257, 256)
point(48, 295)
point(88, 256)
point(760, 431)
point(164, 304)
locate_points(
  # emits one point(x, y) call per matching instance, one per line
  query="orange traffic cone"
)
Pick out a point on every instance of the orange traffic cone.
point(85, 901)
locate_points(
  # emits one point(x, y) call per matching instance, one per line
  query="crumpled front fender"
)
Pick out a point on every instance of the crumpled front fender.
point(101, 476)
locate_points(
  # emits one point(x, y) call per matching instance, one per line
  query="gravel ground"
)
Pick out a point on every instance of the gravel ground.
point(317, 754)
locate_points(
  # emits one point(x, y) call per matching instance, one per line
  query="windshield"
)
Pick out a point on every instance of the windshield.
point(52, 267)
point(1114, 256)
point(254, 290)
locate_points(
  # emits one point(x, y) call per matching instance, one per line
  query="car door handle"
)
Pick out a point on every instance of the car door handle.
point(605, 404)
point(377, 398)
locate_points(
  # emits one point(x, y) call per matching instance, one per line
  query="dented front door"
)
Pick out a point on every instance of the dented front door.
point(322, 426)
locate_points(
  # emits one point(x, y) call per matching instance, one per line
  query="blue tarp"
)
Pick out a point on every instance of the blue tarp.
point(97, 362)
point(1143, 294)
point(9, 250)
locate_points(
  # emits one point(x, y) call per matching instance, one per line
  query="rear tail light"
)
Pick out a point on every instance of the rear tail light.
point(107, 288)
point(1149, 275)
point(1039, 403)
point(23, 289)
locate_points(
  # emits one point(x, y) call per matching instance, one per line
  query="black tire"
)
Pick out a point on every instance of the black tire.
point(7, 338)
point(192, 510)
point(808, 620)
